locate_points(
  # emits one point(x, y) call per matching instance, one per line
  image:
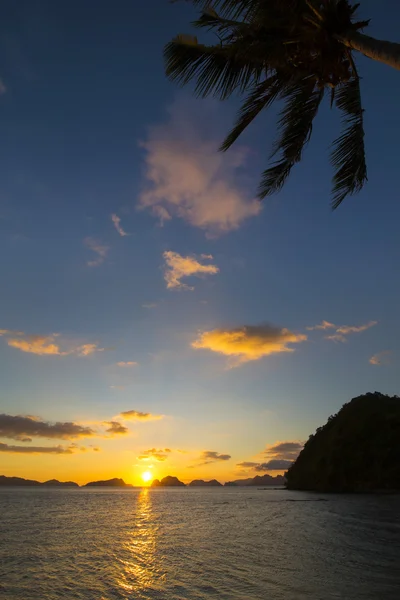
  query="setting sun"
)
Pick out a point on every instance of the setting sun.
point(147, 476)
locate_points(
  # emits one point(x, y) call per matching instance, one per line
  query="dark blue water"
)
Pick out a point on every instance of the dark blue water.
point(181, 544)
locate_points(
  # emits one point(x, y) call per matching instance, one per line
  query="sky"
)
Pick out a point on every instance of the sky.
point(154, 315)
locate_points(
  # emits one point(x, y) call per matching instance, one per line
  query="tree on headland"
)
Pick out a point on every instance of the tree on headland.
point(358, 449)
point(295, 51)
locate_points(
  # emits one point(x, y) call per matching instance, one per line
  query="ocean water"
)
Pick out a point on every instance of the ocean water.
point(176, 544)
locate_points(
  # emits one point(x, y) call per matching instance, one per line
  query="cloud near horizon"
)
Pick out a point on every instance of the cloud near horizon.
point(284, 450)
point(115, 428)
point(280, 456)
point(117, 224)
point(247, 343)
point(154, 453)
point(24, 428)
point(99, 249)
point(37, 449)
point(274, 465)
point(177, 267)
point(209, 456)
point(137, 415)
point(187, 177)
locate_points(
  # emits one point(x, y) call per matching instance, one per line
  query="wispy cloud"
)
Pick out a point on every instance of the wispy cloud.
point(177, 267)
point(49, 345)
point(341, 331)
point(284, 450)
point(273, 465)
point(380, 358)
point(24, 428)
point(137, 415)
point(10, 332)
point(345, 330)
point(150, 305)
point(209, 456)
point(324, 325)
point(154, 453)
point(280, 457)
point(250, 342)
point(38, 449)
point(188, 178)
point(117, 224)
point(115, 428)
point(99, 249)
point(127, 364)
point(247, 465)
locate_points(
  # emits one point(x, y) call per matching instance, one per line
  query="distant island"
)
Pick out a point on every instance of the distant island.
point(357, 450)
point(167, 482)
point(259, 480)
point(19, 481)
point(109, 483)
point(202, 483)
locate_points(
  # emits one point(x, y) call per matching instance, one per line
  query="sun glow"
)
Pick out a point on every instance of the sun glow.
point(147, 476)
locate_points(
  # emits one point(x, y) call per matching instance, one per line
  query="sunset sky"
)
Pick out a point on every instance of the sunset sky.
point(154, 315)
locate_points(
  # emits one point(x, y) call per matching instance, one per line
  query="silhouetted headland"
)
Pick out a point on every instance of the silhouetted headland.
point(259, 480)
point(202, 483)
point(357, 450)
point(167, 482)
point(109, 483)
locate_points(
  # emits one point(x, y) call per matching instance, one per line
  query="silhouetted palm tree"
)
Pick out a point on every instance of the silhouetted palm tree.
point(290, 50)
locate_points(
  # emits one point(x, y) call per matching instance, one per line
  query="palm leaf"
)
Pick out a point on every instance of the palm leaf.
point(348, 155)
point(217, 70)
point(302, 102)
point(262, 97)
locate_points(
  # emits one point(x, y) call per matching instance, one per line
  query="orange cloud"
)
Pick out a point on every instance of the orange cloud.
point(157, 454)
point(129, 363)
point(177, 267)
point(100, 250)
point(249, 342)
point(45, 345)
point(36, 344)
point(117, 224)
point(137, 415)
point(187, 177)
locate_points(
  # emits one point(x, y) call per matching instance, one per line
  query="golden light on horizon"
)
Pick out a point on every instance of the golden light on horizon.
point(147, 476)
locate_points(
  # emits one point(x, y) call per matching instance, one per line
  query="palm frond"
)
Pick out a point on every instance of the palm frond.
point(218, 70)
point(348, 155)
point(302, 102)
point(262, 97)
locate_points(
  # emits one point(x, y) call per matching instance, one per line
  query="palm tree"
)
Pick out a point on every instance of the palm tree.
point(289, 50)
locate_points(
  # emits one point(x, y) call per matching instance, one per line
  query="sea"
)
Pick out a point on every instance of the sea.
point(197, 543)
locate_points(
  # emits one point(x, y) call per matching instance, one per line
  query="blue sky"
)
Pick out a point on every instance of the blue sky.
point(91, 128)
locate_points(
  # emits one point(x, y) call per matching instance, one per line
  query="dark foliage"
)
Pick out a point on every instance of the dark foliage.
point(273, 50)
point(358, 449)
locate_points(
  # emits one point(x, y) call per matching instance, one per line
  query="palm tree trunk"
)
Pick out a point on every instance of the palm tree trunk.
point(385, 52)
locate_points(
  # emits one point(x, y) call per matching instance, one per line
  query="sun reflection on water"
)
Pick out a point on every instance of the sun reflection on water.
point(139, 557)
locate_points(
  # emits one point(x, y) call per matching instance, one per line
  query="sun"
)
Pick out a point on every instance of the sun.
point(147, 476)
